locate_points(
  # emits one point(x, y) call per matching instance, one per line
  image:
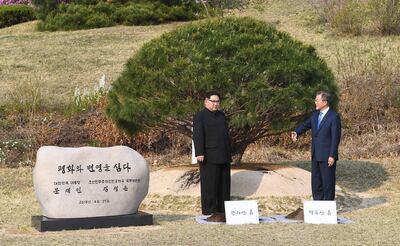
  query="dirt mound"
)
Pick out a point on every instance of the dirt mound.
point(263, 181)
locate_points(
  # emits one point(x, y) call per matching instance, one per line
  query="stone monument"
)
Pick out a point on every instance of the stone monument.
point(90, 187)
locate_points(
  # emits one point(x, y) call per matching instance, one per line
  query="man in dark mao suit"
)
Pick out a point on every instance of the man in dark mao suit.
point(213, 152)
point(326, 132)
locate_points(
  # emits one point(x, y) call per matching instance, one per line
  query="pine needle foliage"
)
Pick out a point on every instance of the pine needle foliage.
point(86, 14)
point(267, 80)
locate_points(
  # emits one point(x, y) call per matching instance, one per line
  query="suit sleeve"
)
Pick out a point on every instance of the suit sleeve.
point(336, 132)
point(198, 135)
point(302, 128)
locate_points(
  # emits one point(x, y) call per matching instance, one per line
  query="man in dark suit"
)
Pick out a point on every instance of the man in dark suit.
point(326, 132)
point(213, 152)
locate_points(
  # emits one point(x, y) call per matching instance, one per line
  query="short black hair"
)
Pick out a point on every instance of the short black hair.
point(212, 93)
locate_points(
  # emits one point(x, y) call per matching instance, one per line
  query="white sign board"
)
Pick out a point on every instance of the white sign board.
point(320, 212)
point(241, 212)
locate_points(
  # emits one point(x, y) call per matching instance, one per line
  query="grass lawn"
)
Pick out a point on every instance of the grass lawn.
point(370, 195)
point(59, 62)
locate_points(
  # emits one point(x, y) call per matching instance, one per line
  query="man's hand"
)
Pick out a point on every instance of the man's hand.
point(331, 161)
point(294, 136)
point(200, 158)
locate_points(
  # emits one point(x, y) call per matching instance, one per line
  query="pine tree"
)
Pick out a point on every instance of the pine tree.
point(267, 80)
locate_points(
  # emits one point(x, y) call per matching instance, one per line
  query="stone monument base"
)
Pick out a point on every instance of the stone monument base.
point(42, 223)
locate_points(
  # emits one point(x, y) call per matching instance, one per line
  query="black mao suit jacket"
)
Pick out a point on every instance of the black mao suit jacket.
point(211, 137)
point(325, 139)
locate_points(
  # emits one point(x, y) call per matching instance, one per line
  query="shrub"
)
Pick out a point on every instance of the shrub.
point(140, 14)
point(370, 82)
point(267, 80)
point(86, 2)
point(45, 7)
point(350, 18)
point(346, 16)
point(15, 14)
point(75, 16)
point(83, 14)
point(326, 10)
point(360, 16)
point(228, 4)
point(386, 14)
point(180, 13)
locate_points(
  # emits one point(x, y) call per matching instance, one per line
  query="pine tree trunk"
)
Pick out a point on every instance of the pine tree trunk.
point(238, 153)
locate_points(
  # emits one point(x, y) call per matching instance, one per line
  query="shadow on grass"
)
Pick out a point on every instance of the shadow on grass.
point(354, 176)
point(242, 177)
point(350, 202)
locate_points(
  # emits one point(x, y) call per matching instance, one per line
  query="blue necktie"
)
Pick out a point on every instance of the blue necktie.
point(319, 119)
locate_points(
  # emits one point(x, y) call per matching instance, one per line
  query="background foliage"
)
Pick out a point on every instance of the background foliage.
point(360, 16)
point(15, 14)
point(86, 14)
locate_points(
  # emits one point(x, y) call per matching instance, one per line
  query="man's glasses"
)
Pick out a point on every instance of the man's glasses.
point(213, 101)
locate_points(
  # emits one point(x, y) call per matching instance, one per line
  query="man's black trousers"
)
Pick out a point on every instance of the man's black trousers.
point(323, 180)
point(215, 184)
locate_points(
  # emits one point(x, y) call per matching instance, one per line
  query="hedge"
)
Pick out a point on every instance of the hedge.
point(15, 14)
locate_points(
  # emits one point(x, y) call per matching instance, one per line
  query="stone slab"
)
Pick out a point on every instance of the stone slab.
point(89, 181)
point(42, 223)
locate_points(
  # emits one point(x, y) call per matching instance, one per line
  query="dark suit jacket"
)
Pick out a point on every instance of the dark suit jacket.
point(325, 140)
point(211, 137)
